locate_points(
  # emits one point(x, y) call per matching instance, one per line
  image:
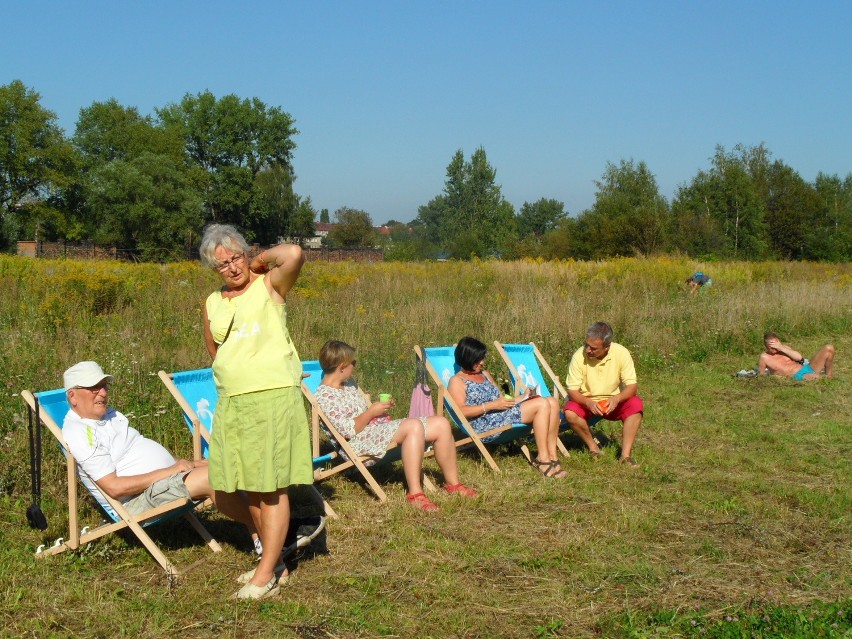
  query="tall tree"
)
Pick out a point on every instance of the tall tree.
point(108, 131)
point(729, 194)
point(274, 204)
point(431, 219)
point(120, 148)
point(540, 217)
point(830, 235)
point(230, 140)
point(629, 215)
point(324, 219)
point(694, 229)
point(471, 217)
point(35, 158)
point(792, 206)
point(302, 222)
point(739, 206)
point(353, 229)
point(145, 204)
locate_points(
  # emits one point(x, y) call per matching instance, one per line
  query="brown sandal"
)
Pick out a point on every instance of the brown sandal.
point(629, 461)
point(551, 469)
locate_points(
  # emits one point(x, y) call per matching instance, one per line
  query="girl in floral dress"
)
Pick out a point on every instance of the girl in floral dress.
point(370, 430)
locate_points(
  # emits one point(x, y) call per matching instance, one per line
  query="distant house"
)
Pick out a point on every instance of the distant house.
point(319, 239)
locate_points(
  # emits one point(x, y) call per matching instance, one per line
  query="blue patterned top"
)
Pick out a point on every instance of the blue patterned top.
point(478, 393)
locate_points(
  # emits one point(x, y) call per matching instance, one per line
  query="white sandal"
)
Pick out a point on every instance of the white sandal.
point(280, 571)
point(250, 591)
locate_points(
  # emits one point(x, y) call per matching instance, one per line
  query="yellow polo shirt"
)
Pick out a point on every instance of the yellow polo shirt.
point(601, 378)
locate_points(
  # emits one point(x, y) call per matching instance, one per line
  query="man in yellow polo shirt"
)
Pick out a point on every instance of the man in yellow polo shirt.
point(602, 383)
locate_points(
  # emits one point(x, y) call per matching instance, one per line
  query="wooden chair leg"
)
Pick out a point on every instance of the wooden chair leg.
point(202, 532)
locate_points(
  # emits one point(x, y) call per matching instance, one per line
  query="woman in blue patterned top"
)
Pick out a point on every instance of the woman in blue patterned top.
point(484, 406)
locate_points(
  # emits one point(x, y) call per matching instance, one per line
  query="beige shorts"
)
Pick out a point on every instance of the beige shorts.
point(159, 493)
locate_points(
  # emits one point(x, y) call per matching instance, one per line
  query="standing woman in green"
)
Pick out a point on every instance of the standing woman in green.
point(261, 441)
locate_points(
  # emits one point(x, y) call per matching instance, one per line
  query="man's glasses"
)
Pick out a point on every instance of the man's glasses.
point(224, 266)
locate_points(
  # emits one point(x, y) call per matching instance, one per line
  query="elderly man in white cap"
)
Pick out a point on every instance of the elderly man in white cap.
point(117, 460)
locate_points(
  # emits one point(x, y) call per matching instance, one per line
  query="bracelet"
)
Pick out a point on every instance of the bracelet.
point(484, 410)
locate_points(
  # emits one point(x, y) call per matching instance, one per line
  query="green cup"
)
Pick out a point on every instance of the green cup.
point(384, 397)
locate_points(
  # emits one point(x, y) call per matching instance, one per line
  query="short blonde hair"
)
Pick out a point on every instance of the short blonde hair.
point(224, 235)
point(334, 353)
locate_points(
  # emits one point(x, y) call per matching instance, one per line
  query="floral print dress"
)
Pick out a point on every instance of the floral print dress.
point(478, 393)
point(343, 405)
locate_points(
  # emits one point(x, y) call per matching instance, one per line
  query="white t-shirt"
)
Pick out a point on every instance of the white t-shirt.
point(111, 445)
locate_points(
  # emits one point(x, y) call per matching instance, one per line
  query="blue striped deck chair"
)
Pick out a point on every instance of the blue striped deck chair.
point(341, 457)
point(525, 363)
point(441, 364)
point(51, 407)
point(196, 394)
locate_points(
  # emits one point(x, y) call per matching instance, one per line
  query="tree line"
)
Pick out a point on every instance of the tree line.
point(150, 183)
point(744, 206)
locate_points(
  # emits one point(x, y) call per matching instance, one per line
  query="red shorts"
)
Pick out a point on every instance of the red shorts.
point(624, 410)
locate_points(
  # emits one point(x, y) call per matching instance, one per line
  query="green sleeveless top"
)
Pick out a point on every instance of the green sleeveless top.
point(258, 353)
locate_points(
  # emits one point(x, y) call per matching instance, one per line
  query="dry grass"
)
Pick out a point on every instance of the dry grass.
point(743, 495)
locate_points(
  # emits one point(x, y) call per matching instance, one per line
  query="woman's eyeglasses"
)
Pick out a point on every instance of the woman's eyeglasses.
point(224, 266)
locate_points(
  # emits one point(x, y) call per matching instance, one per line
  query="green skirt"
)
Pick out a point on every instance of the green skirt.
point(260, 442)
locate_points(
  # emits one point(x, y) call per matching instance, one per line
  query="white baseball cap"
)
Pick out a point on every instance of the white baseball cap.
point(85, 375)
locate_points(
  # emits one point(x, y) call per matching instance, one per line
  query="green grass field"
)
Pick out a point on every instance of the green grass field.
point(737, 524)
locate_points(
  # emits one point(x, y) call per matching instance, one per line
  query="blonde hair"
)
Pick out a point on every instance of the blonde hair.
point(334, 353)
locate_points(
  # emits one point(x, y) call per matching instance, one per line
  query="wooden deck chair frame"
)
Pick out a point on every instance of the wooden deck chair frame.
point(470, 436)
point(557, 390)
point(200, 433)
point(77, 538)
point(320, 422)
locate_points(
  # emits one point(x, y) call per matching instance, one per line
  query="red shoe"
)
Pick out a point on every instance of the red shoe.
point(421, 501)
point(461, 489)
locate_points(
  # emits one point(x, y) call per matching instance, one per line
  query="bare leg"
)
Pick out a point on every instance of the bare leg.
point(410, 438)
point(440, 435)
point(545, 431)
point(628, 433)
point(581, 427)
point(537, 413)
point(232, 505)
point(824, 359)
point(553, 430)
point(274, 519)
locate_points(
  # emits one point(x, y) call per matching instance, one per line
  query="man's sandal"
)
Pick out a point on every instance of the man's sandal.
point(421, 501)
point(629, 461)
point(549, 469)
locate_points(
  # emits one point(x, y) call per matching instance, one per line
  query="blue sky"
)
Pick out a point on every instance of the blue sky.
point(383, 93)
